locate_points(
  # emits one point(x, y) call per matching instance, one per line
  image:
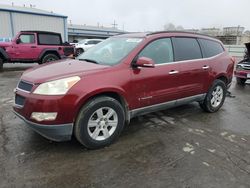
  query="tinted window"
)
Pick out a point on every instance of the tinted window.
point(186, 49)
point(97, 41)
point(91, 42)
point(210, 48)
point(27, 38)
point(160, 51)
point(49, 39)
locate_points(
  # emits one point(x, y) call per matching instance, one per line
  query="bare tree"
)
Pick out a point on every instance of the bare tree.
point(169, 27)
point(172, 27)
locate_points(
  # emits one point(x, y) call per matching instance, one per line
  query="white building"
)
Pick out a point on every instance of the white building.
point(211, 31)
point(14, 19)
point(79, 32)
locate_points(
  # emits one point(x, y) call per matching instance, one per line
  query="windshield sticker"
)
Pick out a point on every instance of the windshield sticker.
point(134, 40)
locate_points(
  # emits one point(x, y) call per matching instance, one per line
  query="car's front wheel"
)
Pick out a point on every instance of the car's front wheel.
point(241, 81)
point(99, 122)
point(215, 97)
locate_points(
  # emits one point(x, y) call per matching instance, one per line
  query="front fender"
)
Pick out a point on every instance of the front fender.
point(97, 92)
point(54, 50)
point(4, 54)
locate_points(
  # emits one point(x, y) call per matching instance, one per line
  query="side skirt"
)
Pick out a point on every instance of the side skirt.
point(166, 105)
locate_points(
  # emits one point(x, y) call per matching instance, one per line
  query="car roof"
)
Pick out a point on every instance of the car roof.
point(41, 32)
point(93, 39)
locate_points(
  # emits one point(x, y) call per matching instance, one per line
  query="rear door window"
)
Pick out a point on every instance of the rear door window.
point(49, 39)
point(96, 41)
point(91, 42)
point(159, 50)
point(186, 49)
point(210, 48)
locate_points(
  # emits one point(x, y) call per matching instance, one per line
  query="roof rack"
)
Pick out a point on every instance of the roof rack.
point(187, 32)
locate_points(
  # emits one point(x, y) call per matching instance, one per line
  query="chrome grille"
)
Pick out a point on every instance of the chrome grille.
point(246, 67)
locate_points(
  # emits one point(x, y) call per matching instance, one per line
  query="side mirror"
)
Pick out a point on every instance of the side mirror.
point(18, 41)
point(145, 62)
point(86, 43)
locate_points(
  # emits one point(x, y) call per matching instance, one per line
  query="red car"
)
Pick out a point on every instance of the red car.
point(94, 96)
point(34, 46)
point(242, 72)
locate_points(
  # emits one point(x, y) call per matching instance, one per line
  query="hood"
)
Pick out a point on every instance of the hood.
point(5, 44)
point(248, 47)
point(60, 69)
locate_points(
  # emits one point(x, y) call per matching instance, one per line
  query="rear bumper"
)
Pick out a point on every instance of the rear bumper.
point(52, 132)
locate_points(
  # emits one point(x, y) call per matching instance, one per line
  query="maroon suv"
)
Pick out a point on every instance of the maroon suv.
point(94, 96)
point(34, 46)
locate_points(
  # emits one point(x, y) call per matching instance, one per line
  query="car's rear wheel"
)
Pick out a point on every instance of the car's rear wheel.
point(1, 64)
point(241, 81)
point(99, 122)
point(49, 57)
point(215, 97)
point(79, 51)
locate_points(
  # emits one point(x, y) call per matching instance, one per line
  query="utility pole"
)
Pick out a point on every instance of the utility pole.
point(114, 25)
point(237, 35)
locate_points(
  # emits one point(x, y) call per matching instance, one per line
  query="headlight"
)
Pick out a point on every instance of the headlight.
point(239, 67)
point(57, 87)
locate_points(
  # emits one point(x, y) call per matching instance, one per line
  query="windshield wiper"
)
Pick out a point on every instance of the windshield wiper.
point(89, 60)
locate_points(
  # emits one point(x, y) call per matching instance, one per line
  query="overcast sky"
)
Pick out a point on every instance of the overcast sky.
point(148, 15)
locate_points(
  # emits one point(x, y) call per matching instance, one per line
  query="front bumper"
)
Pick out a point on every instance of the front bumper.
point(242, 74)
point(52, 132)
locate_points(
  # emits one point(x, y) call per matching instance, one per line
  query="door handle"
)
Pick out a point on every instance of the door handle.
point(205, 67)
point(173, 72)
point(33, 46)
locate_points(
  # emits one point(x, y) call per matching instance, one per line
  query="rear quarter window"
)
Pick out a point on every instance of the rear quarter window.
point(49, 39)
point(210, 48)
point(186, 49)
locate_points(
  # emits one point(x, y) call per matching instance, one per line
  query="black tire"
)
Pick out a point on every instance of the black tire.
point(241, 81)
point(79, 51)
point(48, 58)
point(207, 105)
point(1, 64)
point(82, 131)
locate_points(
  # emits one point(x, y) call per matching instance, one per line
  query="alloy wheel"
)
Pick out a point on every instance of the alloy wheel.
point(217, 96)
point(102, 123)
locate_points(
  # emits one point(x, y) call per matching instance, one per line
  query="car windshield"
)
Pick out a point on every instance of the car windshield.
point(110, 51)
